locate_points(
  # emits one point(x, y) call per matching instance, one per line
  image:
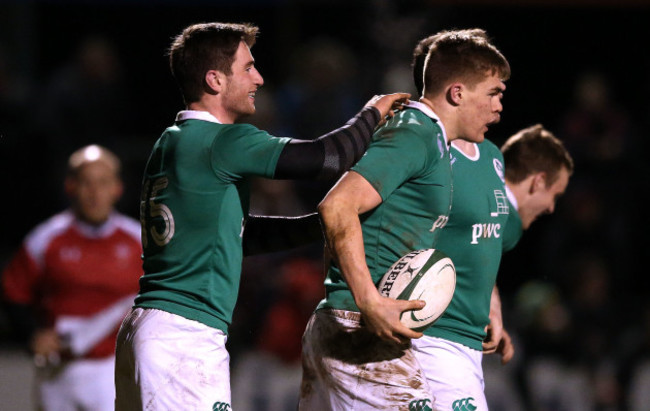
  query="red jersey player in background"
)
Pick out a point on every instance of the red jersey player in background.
point(71, 283)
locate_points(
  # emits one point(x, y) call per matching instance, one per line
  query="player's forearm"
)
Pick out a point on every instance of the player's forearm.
point(345, 241)
point(345, 146)
point(495, 306)
point(330, 155)
point(265, 234)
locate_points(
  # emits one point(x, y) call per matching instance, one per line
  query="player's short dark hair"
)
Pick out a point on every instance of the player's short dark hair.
point(203, 47)
point(417, 64)
point(456, 55)
point(533, 150)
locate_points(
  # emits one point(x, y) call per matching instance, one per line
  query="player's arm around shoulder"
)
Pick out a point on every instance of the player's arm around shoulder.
point(243, 149)
point(339, 212)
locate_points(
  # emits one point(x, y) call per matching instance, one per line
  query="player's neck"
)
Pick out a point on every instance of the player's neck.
point(521, 191)
point(439, 106)
point(467, 147)
point(213, 107)
point(428, 103)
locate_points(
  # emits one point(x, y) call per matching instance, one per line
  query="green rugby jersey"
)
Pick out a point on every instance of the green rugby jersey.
point(195, 198)
point(473, 239)
point(408, 164)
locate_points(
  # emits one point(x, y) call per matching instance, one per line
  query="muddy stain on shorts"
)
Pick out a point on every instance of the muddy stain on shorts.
point(348, 367)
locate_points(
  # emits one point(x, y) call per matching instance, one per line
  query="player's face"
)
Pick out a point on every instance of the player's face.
point(481, 106)
point(543, 199)
point(94, 191)
point(241, 84)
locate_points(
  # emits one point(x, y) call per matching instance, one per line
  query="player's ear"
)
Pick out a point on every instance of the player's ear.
point(70, 186)
point(538, 182)
point(214, 81)
point(455, 93)
point(118, 190)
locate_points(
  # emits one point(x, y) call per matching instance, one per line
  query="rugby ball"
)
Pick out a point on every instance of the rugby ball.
point(427, 275)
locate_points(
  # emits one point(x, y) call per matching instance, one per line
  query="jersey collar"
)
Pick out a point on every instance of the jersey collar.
point(427, 110)
point(475, 157)
point(196, 115)
point(101, 231)
point(512, 198)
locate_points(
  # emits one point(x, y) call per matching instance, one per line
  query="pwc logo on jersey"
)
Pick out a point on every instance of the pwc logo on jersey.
point(492, 230)
point(440, 222)
point(485, 230)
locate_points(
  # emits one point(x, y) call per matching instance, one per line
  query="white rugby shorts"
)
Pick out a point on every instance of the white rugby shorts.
point(167, 362)
point(347, 368)
point(453, 372)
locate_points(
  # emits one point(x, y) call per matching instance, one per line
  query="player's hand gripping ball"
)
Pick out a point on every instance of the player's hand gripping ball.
point(427, 275)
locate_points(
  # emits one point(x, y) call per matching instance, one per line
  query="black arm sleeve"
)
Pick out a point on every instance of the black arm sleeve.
point(330, 155)
point(264, 234)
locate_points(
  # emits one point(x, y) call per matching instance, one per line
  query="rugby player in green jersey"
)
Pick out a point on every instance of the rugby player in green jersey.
point(171, 350)
point(490, 210)
point(396, 199)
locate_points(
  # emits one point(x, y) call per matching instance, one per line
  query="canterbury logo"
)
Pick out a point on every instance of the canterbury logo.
point(464, 405)
point(221, 406)
point(421, 405)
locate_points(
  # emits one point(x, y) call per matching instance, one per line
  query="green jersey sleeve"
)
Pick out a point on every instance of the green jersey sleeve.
point(513, 230)
point(395, 155)
point(243, 150)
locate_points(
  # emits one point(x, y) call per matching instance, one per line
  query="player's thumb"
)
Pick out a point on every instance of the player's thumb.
point(414, 305)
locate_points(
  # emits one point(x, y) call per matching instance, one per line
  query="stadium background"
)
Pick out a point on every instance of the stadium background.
point(575, 290)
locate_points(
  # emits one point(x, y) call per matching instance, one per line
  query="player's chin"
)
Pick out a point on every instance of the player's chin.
point(94, 217)
point(478, 137)
point(249, 111)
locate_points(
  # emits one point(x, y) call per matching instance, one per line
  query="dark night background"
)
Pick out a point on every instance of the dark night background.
point(575, 290)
